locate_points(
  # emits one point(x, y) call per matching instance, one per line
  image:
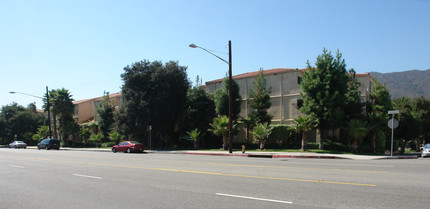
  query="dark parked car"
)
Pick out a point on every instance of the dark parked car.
point(18, 144)
point(49, 144)
point(128, 146)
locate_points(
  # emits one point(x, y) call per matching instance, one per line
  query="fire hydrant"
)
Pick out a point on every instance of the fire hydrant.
point(243, 148)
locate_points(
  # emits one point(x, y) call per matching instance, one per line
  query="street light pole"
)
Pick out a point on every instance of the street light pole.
point(49, 112)
point(230, 97)
point(47, 105)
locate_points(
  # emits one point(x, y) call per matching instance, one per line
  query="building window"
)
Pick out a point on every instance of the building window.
point(299, 80)
point(299, 103)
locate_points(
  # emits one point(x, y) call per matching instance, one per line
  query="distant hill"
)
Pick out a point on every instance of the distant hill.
point(412, 83)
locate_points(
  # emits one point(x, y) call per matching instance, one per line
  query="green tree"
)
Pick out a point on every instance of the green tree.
point(154, 94)
point(16, 120)
point(53, 109)
point(85, 134)
point(97, 138)
point(377, 114)
point(63, 106)
point(115, 137)
point(260, 100)
point(422, 108)
point(200, 109)
point(356, 130)
point(106, 115)
point(410, 126)
point(220, 128)
point(221, 98)
point(324, 89)
point(303, 125)
point(194, 136)
point(353, 107)
point(249, 123)
point(262, 132)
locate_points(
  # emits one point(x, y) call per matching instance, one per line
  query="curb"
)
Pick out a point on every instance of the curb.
point(265, 156)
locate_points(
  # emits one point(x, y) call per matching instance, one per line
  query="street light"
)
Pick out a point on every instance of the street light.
point(47, 104)
point(229, 90)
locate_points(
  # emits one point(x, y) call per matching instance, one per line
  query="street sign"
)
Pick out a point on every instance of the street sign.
point(393, 112)
point(393, 124)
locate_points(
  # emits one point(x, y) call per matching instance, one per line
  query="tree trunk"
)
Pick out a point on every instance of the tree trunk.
point(319, 132)
point(224, 142)
point(304, 141)
point(374, 142)
point(55, 126)
point(354, 147)
point(262, 144)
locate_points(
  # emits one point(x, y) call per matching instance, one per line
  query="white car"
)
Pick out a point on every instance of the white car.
point(426, 151)
point(18, 144)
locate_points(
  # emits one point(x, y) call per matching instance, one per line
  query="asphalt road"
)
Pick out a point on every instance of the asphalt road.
point(75, 179)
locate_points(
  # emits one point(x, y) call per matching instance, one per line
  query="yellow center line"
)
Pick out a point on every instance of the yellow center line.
point(238, 165)
point(208, 173)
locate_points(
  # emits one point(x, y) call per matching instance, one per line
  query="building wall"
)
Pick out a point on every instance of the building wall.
point(85, 110)
point(285, 94)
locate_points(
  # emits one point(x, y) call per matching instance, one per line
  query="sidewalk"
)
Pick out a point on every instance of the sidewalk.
point(258, 154)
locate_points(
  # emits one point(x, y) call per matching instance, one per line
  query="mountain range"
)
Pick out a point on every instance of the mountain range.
point(411, 83)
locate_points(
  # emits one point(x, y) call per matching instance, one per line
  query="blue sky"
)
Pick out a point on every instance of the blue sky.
point(83, 46)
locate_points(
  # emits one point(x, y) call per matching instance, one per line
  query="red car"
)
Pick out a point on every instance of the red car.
point(128, 146)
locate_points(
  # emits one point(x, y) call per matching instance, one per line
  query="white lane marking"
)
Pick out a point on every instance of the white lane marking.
point(254, 198)
point(16, 166)
point(93, 177)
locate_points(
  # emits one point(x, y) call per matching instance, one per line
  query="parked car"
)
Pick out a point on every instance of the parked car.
point(18, 144)
point(426, 151)
point(128, 146)
point(49, 144)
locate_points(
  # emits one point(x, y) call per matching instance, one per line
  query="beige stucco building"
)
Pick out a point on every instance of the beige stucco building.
point(285, 92)
point(86, 110)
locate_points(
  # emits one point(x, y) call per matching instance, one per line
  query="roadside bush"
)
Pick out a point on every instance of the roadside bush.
point(108, 144)
point(281, 137)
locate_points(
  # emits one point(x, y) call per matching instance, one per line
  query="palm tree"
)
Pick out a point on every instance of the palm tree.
point(303, 125)
point(115, 136)
point(194, 136)
point(262, 132)
point(249, 123)
point(376, 122)
point(356, 130)
point(220, 128)
point(63, 105)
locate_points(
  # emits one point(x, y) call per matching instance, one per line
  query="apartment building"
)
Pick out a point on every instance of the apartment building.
point(86, 110)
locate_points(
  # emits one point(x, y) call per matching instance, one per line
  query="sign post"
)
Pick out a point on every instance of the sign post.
point(393, 123)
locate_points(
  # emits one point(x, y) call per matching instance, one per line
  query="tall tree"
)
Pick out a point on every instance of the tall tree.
point(200, 109)
point(324, 88)
point(353, 107)
point(221, 98)
point(154, 94)
point(410, 127)
point(260, 100)
point(422, 107)
point(16, 120)
point(376, 114)
point(106, 113)
point(63, 106)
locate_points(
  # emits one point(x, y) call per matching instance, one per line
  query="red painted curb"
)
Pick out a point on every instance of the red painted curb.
point(217, 154)
point(304, 156)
